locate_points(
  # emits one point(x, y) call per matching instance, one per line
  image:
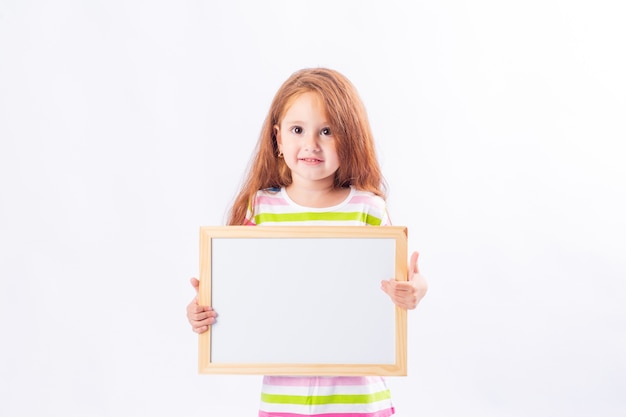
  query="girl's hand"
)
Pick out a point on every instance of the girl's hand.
point(200, 317)
point(407, 294)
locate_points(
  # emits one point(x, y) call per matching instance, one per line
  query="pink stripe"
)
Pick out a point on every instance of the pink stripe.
point(270, 201)
point(294, 381)
point(382, 413)
point(360, 199)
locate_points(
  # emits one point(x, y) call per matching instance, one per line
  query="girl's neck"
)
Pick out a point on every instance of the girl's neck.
point(316, 196)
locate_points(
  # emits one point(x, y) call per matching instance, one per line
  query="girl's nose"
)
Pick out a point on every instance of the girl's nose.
point(310, 143)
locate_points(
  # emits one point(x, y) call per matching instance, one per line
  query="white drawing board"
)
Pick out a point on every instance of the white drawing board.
point(302, 300)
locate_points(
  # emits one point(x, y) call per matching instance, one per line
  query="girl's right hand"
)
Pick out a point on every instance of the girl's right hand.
point(200, 317)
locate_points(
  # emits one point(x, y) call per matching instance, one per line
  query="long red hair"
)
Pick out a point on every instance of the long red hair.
point(358, 163)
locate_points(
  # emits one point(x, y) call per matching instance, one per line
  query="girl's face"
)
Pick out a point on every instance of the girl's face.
point(306, 140)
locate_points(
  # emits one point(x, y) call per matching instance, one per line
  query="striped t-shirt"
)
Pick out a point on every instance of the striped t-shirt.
point(273, 207)
point(323, 396)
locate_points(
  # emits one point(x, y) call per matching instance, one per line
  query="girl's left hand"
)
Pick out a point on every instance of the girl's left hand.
point(407, 294)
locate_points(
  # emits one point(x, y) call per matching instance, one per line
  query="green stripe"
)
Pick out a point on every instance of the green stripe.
point(326, 399)
point(312, 216)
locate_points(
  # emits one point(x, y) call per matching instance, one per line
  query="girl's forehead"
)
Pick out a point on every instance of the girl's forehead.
point(308, 95)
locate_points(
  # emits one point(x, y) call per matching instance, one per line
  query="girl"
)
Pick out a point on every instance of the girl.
point(315, 164)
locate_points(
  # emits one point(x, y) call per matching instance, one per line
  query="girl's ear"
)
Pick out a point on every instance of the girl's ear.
point(277, 135)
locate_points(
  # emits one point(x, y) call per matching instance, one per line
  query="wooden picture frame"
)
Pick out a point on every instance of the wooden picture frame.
point(302, 300)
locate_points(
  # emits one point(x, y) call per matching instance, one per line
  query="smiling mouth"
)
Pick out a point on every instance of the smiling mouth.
point(310, 160)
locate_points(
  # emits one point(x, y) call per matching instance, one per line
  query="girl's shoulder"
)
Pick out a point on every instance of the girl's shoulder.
point(366, 197)
point(371, 204)
point(272, 192)
point(271, 196)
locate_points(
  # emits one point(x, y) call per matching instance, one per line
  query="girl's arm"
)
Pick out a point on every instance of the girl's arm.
point(407, 294)
point(200, 317)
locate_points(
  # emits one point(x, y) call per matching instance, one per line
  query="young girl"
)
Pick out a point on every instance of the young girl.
point(315, 164)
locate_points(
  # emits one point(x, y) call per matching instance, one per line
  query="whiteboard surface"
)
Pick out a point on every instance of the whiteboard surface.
point(306, 306)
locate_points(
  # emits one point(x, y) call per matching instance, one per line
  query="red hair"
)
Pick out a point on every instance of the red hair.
point(358, 164)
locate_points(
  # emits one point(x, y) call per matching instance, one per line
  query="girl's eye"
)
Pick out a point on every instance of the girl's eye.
point(326, 131)
point(296, 129)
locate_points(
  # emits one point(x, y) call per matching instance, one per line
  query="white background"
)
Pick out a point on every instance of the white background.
point(125, 125)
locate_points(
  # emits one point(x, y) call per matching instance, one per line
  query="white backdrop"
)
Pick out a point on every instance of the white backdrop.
point(125, 125)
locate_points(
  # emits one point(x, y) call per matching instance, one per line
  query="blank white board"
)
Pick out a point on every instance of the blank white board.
point(302, 300)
